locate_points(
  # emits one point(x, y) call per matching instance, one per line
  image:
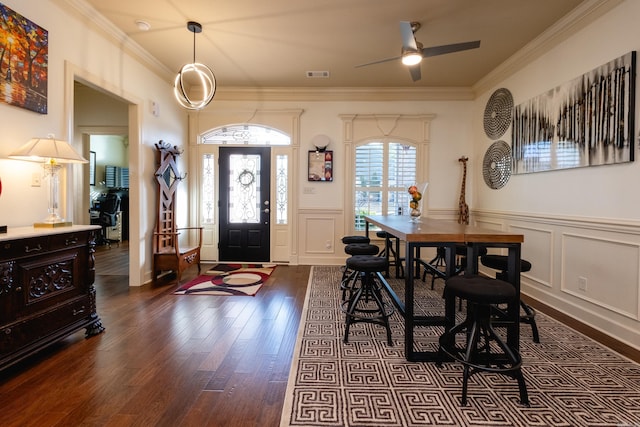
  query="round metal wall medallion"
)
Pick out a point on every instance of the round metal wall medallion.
point(498, 113)
point(496, 165)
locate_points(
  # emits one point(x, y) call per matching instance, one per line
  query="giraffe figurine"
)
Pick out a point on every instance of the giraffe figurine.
point(463, 214)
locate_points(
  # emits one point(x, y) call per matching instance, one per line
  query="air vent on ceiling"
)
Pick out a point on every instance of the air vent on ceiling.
point(317, 74)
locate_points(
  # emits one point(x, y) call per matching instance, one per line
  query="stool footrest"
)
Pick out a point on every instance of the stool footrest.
point(488, 363)
point(365, 304)
point(366, 314)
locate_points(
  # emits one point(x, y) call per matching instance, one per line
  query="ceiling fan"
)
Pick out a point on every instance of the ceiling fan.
point(413, 52)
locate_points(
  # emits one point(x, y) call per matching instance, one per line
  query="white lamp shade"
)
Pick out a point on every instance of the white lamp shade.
point(47, 149)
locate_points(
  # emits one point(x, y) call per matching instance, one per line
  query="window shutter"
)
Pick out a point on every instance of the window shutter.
point(383, 172)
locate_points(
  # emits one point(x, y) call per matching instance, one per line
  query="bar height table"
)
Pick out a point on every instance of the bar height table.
point(429, 232)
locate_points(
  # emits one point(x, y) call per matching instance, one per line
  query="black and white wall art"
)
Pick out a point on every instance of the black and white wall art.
point(587, 121)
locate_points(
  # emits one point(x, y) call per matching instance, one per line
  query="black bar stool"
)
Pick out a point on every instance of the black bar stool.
point(482, 342)
point(366, 303)
point(499, 262)
point(349, 276)
point(348, 240)
point(355, 239)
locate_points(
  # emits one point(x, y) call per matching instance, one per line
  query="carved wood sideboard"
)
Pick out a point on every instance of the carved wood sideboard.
point(46, 288)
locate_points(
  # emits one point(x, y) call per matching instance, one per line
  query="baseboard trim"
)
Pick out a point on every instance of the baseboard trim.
point(596, 335)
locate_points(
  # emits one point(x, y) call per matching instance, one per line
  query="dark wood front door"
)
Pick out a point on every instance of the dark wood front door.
point(245, 204)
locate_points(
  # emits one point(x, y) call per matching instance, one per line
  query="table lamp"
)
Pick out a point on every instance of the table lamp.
point(53, 154)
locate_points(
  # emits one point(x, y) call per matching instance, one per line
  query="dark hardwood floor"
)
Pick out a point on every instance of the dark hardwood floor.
point(164, 360)
point(168, 360)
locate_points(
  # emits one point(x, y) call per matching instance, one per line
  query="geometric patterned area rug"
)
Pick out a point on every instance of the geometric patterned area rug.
point(229, 279)
point(571, 379)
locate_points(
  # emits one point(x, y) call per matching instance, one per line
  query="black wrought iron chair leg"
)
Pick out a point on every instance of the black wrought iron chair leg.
point(530, 317)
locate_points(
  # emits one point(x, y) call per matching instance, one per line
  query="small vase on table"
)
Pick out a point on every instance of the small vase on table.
point(414, 213)
point(414, 203)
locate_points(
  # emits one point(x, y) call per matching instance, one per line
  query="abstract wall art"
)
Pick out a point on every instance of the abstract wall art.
point(23, 61)
point(587, 121)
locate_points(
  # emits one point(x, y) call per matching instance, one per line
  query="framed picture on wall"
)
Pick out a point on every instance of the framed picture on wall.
point(320, 166)
point(24, 57)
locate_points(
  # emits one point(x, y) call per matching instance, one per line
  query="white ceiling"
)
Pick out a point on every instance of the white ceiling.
point(273, 43)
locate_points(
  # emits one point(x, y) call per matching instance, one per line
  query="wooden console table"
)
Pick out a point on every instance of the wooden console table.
point(440, 233)
point(46, 288)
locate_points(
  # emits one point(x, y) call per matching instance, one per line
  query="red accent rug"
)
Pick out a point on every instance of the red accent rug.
point(229, 279)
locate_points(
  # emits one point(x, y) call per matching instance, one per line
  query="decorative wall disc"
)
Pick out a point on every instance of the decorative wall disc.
point(496, 166)
point(498, 113)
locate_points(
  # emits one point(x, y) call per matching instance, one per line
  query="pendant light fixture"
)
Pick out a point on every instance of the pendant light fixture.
point(195, 84)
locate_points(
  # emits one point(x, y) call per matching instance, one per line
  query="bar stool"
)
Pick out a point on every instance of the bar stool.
point(349, 276)
point(394, 259)
point(499, 262)
point(366, 303)
point(347, 240)
point(482, 342)
point(355, 239)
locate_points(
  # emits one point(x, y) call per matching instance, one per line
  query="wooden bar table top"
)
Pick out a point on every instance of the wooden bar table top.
point(430, 232)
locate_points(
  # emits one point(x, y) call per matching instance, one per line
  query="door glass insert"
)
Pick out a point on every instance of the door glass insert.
point(282, 188)
point(244, 188)
point(208, 189)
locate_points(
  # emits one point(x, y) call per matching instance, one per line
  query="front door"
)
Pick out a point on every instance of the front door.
point(244, 204)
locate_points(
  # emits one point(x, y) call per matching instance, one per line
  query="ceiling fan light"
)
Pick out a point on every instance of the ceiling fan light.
point(411, 58)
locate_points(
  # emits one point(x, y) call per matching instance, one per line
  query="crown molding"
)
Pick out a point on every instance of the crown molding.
point(105, 27)
point(344, 94)
point(583, 15)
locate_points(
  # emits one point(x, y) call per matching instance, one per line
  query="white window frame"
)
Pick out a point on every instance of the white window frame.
point(357, 128)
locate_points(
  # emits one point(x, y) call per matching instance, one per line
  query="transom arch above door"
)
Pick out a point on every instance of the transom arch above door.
point(285, 120)
point(246, 134)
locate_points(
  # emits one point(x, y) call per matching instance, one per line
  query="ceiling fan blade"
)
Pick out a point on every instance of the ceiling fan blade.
point(415, 72)
point(449, 48)
point(408, 39)
point(378, 62)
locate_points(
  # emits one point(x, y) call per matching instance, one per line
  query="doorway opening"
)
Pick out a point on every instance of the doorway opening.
point(101, 129)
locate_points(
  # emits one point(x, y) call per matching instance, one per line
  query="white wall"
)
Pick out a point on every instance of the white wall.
point(77, 47)
point(578, 223)
point(450, 137)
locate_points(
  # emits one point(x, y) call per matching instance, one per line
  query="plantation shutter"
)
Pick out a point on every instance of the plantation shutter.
point(383, 172)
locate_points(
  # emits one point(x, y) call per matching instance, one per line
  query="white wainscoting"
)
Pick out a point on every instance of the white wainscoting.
point(320, 235)
point(601, 271)
point(588, 268)
point(538, 250)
